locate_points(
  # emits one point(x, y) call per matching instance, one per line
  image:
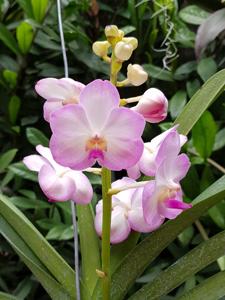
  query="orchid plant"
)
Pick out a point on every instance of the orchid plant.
point(93, 130)
point(142, 208)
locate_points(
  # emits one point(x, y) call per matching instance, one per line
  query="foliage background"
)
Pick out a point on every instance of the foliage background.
point(30, 50)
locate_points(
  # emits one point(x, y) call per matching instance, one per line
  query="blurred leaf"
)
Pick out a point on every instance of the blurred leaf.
point(56, 232)
point(14, 107)
point(206, 68)
point(203, 134)
point(183, 34)
point(217, 216)
point(25, 203)
point(158, 73)
point(128, 29)
point(36, 137)
point(211, 289)
point(186, 236)
point(177, 103)
point(39, 9)
point(46, 223)
point(191, 263)
point(23, 288)
point(26, 6)
point(220, 140)
point(193, 14)
point(140, 257)
point(21, 170)
point(8, 39)
point(10, 77)
point(24, 35)
point(208, 93)
point(209, 30)
point(192, 87)
point(6, 158)
point(4, 296)
point(184, 70)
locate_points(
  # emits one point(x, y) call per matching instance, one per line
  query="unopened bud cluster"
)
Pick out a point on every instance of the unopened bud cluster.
point(122, 49)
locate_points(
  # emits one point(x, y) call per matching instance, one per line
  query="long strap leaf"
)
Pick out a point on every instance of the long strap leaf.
point(189, 264)
point(201, 100)
point(145, 252)
point(38, 244)
point(211, 289)
point(53, 288)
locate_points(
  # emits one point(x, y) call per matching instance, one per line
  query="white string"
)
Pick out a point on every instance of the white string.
point(73, 208)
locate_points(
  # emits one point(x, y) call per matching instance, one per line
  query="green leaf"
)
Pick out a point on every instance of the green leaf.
point(14, 107)
point(219, 140)
point(203, 135)
point(10, 78)
point(217, 214)
point(158, 73)
point(206, 68)
point(192, 87)
point(193, 14)
point(209, 30)
point(53, 288)
point(211, 289)
point(6, 158)
point(208, 93)
point(21, 170)
point(38, 244)
point(57, 231)
point(183, 34)
point(36, 137)
point(88, 240)
point(184, 70)
point(191, 263)
point(177, 103)
point(26, 6)
point(39, 9)
point(4, 296)
point(7, 38)
point(25, 203)
point(24, 35)
point(140, 257)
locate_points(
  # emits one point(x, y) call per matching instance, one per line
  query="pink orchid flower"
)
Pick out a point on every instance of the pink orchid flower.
point(57, 182)
point(162, 198)
point(97, 129)
point(152, 106)
point(58, 92)
point(127, 212)
point(152, 155)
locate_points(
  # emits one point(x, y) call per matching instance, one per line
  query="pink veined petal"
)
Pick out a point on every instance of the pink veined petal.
point(34, 162)
point(49, 107)
point(134, 172)
point(98, 99)
point(135, 214)
point(171, 208)
point(156, 141)
point(151, 212)
point(181, 167)
point(147, 162)
point(169, 147)
point(71, 131)
point(120, 227)
point(124, 123)
point(54, 187)
point(53, 89)
point(83, 192)
point(122, 154)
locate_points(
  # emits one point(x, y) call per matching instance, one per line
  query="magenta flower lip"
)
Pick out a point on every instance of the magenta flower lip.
point(97, 129)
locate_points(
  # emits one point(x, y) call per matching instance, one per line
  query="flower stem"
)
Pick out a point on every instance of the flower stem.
point(107, 205)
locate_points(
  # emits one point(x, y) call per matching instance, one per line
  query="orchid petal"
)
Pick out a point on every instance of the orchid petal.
point(54, 187)
point(49, 107)
point(98, 99)
point(34, 162)
point(71, 130)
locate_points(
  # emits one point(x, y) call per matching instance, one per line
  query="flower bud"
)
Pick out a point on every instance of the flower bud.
point(101, 48)
point(123, 51)
point(152, 106)
point(112, 31)
point(131, 41)
point(136, 75)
